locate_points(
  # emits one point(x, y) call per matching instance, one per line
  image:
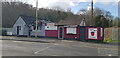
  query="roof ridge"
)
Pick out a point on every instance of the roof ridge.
point(27, 16)
point(33, 17)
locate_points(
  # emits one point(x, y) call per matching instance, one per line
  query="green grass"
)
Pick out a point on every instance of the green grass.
point(107, 40)
point(110, 40)
point(115, 41)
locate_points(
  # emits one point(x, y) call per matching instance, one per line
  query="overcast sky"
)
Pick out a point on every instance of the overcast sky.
point(76, 5)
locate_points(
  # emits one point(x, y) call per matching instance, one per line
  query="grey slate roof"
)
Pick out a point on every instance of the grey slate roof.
point(27, 19)
point(31, 20)
point(75, 20)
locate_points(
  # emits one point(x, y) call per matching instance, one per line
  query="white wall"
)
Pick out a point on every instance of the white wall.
point(40, 32)
point(21, 23)
point(24, 28)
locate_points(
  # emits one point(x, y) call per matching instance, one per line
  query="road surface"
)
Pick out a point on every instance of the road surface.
point(63, 48)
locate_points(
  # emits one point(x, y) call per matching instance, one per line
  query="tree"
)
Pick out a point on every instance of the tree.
point(82, 11)
point(116, 22)
point(101, 21)
point(12, 10)
point(96, 15)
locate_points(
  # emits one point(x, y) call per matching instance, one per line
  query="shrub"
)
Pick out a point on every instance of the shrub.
point(107, 39)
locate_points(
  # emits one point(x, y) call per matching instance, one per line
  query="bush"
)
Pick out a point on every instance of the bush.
point(107, 40)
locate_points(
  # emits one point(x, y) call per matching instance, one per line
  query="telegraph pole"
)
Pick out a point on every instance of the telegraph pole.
point(36, 18)
point(92, 13)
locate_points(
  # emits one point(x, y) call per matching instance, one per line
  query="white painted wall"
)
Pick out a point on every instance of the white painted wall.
point(24, 28)
point(40, 32)
point(21, 23)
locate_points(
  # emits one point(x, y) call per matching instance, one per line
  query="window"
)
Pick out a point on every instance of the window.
point(19, 27)
point(71, 30)
point(40, 27)
point(34, 27)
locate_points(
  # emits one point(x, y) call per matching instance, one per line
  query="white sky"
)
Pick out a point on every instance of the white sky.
point(64, 3)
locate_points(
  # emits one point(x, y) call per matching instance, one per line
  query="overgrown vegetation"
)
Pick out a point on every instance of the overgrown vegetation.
point(111, 34)
point(101, 18)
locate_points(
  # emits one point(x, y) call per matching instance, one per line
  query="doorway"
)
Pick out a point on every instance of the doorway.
point(18, 30)
point(60, 32)
point(82, 33)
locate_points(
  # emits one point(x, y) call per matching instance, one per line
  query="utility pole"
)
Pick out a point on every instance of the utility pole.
point(92, 21)
point(36, 18)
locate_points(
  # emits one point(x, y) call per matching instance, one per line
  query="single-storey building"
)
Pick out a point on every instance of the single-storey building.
point(74, 28)
point(67, 28)
point(26, 26)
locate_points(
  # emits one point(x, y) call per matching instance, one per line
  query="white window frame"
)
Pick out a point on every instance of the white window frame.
point(71, 30)
point(101, 32)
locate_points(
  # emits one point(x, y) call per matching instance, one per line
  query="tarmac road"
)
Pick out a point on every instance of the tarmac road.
point(63, 48)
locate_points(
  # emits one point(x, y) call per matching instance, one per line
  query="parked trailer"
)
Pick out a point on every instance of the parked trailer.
point(76, 32)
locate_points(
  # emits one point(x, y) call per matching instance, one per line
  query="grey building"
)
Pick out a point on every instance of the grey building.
point(26, 26)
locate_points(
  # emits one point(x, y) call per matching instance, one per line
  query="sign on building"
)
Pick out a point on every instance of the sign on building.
point(92, 33)
point(50, 26)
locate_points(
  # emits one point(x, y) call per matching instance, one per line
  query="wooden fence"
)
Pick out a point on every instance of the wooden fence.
point(112, 33)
